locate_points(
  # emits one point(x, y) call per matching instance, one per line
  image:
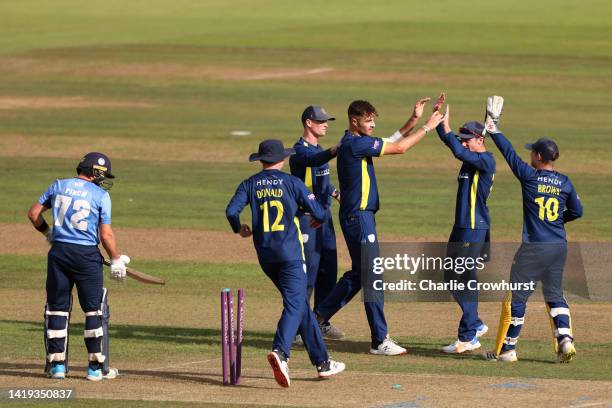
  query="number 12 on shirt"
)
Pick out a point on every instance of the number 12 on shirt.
point(276, 226)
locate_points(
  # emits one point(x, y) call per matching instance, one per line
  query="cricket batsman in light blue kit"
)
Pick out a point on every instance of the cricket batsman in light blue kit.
point(81, 209)
point(275, 198)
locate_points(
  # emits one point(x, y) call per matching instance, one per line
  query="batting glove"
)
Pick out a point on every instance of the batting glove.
point(495, 104)
point(118, 269)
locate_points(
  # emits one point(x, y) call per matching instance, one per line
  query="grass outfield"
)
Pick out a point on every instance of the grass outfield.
point(172, 324)
point(160, 86)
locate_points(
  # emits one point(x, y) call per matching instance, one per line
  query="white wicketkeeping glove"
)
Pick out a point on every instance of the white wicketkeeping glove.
point(117, 268)
point(495, 104)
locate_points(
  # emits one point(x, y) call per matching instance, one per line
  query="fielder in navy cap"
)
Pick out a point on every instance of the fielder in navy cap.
point(316, 113)
point(470, 233)
point(546, 148)
point(311, 165)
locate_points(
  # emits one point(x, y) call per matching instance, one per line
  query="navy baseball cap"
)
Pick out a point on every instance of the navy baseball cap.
point(315, 113)
point(546, 147)
point(470, 130)
point(271, 151)
point(98, 161)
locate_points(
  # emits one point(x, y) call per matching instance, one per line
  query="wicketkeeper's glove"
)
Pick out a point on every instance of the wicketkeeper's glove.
point(495, 104)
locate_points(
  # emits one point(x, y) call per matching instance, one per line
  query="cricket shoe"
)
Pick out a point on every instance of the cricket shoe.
point(388, 348)
point(98, 375)
point(57, 372)
point(329, 368)
point(482, 330)
point(506, 357)
point(331, 332)
point(280, 368)
point(459, 346)
point(567, 351)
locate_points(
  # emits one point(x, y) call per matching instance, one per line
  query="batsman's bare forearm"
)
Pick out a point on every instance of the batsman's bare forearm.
point(36, 218)
point(107, 238)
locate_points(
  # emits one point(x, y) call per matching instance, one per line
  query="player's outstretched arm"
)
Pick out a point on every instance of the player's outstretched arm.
point(520, 169)
point(305, 157)
point(412, 139)
point(235, 207)
point(417, 112)
point(478, 160)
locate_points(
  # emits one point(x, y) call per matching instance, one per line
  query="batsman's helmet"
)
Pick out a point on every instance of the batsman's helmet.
point(98, 166)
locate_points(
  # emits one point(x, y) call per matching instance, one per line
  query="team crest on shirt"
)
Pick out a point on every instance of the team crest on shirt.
point(376, 144)
point(311, 196)
point(371, 238)
point(305, 238)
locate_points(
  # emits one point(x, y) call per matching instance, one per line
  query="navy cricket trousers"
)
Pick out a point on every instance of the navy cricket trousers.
point(67, 265)
point(70, 264)
point(360, 235)
point(297, 317)
point(467, 243)
point(321, 257)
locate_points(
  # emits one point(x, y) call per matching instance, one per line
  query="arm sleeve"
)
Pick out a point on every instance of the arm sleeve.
point(521, 170)
point(47, 196)
point(366, 146)
point(307, 200)
point(307, 158)
point(573, 207)
point(478, 160)
point(105, 209)
point(235, 207)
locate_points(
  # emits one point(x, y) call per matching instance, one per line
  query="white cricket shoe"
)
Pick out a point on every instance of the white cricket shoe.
point(482, 330)
point(508, 356)
point(459, 346)
point(280, 368)
point(567, 351)
point(388, 348)
point(329, 368)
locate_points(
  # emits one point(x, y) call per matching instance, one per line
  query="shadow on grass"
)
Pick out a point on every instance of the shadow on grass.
point(24, 370)
point(162, 334)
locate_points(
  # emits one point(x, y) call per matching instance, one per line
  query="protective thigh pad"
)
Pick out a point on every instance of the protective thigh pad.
point(56, 334)
point(96, 332)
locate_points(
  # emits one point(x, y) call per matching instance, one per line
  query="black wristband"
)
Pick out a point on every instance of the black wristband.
point(44, 227)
